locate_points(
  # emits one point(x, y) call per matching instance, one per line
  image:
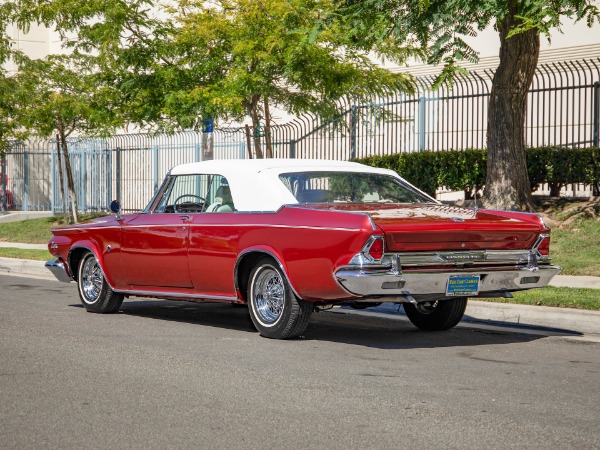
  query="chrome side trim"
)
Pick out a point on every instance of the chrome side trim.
point(304, 227)
point(59, 270)
point(205, 225)
point(183, 295)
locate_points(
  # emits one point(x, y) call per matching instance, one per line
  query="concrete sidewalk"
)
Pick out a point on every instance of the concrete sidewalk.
point(23, 246)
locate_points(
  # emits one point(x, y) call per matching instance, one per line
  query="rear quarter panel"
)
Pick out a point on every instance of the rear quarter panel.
point(309, 244)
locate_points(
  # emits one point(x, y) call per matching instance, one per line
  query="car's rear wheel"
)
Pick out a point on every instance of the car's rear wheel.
point(94, 292)
point(436, 315)
point(274, 309)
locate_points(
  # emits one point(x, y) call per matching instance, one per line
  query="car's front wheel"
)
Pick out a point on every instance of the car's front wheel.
point(274, 309)
point(436, 315)
point(94, 292)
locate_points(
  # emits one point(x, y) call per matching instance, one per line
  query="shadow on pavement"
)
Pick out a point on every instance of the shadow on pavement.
point(333, 326)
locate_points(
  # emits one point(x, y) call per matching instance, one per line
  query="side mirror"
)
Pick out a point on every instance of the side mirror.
point(115, 207)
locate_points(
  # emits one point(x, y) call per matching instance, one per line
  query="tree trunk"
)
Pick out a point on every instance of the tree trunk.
point(70, 183)
point(62, 181)
point(268, 141)
point(248, 142)
point(256, 126)
point(507, 184)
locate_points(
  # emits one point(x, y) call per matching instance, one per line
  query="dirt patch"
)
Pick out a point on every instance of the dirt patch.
point(564, 212)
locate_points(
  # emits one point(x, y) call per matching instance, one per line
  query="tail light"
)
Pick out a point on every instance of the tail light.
point(374, 247)
point(544, 247)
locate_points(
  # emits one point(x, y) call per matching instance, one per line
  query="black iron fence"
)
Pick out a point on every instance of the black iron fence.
point(563, 109)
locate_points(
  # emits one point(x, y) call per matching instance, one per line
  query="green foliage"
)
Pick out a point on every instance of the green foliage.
point(170, 65)
point(466, 169)
point(240, 52)
point(62, 94)
point(9, 127)
point(559, 166)
point(435, 30)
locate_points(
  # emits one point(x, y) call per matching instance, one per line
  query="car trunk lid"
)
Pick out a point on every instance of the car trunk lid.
point(427, 227)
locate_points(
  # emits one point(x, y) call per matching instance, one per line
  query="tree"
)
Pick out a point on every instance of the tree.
point(9, 128)
point(58, 96)
point(243, 55)
point(226, 59)
point(438, 27)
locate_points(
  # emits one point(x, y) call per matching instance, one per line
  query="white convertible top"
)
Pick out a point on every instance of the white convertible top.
point(257, 165)
point(255, 183)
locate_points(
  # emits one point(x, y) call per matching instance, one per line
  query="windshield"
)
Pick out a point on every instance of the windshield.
point(350, 187)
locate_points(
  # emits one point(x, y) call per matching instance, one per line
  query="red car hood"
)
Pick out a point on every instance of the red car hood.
point(430, 227)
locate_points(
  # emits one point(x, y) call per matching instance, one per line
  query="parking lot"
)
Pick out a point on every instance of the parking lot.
point(173, 374)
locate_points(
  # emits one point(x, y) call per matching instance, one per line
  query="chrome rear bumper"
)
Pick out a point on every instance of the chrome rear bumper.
point(59, 270)
point(372, 282)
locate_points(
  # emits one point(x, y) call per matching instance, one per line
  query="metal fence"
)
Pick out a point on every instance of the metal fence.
point(563, 109)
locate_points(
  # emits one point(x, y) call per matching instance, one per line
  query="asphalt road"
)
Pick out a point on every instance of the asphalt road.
point(174, 374)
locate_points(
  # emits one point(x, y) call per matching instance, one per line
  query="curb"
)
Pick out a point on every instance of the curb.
point(544, 318)
point(25, 267)
point(566, 319)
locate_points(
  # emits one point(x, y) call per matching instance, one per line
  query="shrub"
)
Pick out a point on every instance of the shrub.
point(466, 169)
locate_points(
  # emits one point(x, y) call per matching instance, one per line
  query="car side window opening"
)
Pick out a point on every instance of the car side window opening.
point(220, 196)
point(196, 193)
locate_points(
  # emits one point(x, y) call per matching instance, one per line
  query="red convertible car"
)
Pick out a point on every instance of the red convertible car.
point(287, 237)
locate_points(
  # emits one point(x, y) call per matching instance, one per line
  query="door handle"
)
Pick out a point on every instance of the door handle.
point(185, 218)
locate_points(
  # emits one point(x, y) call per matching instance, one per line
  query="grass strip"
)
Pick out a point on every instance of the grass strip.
point(577, 249)
point(33, 231)
point(561, 297)
point(36, 231)
point(20, 253)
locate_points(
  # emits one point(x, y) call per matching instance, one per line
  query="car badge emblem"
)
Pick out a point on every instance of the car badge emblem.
point(462, 257)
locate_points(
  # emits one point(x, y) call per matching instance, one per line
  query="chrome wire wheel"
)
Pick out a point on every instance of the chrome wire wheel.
point(275, 310)
point(268, 296)
point(427, 307)
point(94, 291)
point(91, 279)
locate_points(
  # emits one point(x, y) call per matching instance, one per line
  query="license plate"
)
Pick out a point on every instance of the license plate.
point(462, 285)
